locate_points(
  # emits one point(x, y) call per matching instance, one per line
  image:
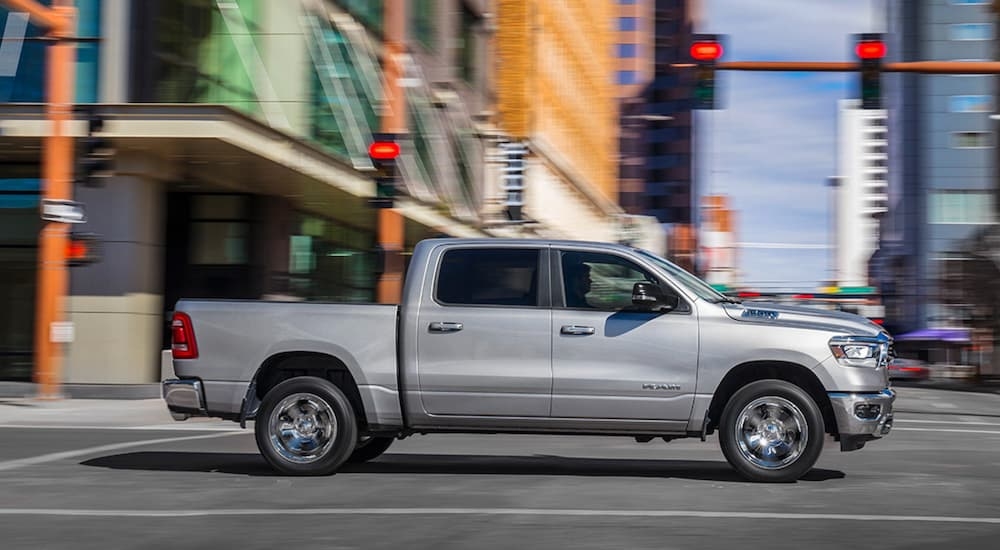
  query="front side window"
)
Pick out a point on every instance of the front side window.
point(489, 277)
point(600, 281)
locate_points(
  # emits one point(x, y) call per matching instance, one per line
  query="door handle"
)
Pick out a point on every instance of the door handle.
point(445, 326)
point(576, 330)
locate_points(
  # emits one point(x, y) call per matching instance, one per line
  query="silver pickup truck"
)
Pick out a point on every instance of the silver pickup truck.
point(541, 337)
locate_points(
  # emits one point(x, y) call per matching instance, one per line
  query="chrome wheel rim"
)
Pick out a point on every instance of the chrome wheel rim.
point(771, 432)
point(302, 428)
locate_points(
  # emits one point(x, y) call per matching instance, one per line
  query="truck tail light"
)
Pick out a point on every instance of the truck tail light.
point(182, 342)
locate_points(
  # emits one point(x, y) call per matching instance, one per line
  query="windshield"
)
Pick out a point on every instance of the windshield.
point(701, 289)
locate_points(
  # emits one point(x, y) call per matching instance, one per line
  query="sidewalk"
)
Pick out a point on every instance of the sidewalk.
point(103, 413)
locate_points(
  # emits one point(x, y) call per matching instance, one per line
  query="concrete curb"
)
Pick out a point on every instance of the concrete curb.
point(84, 391)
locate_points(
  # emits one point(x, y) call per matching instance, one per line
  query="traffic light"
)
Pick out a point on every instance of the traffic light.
point(513, 179)
point(705, 50)
point(83, 249)
point(384, 152)
point(870, 51)
point(98, 154)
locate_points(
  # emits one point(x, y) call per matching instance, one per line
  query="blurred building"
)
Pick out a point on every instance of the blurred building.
point(943, 164)
point(717, 251)
point(860, 189)
point(555, 92)
point(241, 169)
point(656, 122)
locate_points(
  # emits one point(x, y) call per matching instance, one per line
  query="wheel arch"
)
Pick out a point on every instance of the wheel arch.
point(752, 371)
point(293, 364)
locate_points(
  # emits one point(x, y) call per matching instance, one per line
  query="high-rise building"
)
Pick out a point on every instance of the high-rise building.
point(656, 167)
point(942, 163)
point(860, 189)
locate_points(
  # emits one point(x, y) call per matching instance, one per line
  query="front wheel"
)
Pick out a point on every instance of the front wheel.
point(306, 426)
point(771, 431)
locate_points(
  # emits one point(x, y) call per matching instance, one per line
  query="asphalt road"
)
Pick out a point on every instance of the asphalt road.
point(71, 482)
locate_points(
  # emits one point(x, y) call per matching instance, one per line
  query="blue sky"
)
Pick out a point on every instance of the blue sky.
point(773, 145)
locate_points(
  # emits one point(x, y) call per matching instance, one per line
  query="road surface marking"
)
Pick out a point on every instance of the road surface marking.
point(948, 430)
point(959, 422)
point(484, 512)
point(52, 457)
point(147, 427)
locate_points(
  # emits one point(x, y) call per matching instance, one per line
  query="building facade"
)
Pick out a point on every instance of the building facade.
point(942, 174)
point(240, 131)
point(860, 190)
point(555, 92)
point(656, 171)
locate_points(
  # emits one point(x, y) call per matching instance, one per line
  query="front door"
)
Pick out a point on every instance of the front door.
point(610, 361)
point(483, 344)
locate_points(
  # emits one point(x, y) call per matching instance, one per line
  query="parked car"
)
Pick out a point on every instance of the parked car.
point(908, 369)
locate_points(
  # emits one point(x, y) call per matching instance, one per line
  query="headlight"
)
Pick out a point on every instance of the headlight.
point(860, 351)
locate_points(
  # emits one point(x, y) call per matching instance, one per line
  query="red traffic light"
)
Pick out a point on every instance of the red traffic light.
point(706, 51)
point(383, 150)
point(873, 49)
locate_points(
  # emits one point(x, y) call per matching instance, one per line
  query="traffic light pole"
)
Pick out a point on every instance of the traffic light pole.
point(389, 288)
point(57, 178)
point(925, 67)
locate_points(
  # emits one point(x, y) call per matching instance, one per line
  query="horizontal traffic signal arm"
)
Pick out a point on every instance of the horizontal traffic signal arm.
point(926, 67)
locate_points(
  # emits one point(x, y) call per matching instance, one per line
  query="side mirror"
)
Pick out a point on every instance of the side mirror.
point(650, 296)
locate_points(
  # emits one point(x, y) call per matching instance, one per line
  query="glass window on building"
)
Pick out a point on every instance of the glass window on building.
point(329, 261)
point(961, 207)
point(628, 50)
point(970, 104)
point(422, 22)
point(23, 65)
point(627, 77)
point(220, 230)
point(467, 45)
point(626, 24)
point(972, 31)
point(20, 189)
point(972, 140)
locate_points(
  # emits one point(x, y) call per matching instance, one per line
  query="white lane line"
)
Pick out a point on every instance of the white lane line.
point(52, 457)
point(957, 422)
point(945, 430)
point(482, 512)
point(147, 427)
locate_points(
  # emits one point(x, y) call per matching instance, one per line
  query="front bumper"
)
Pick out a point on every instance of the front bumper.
point(185, 398)
point(862, 417)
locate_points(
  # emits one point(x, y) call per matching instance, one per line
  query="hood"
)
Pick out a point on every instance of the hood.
point(802, 317)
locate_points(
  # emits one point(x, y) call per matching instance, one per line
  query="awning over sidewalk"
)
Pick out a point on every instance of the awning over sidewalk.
point(949, 335)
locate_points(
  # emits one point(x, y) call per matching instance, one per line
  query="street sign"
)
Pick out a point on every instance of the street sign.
point(63, 211)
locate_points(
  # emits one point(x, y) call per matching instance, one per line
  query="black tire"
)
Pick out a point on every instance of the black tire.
point(370, 449)
point(771, 431)
point(306, 426)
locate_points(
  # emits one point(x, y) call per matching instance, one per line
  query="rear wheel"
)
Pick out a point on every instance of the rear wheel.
point(370, 448)
point(771, 431)
point(306, 426)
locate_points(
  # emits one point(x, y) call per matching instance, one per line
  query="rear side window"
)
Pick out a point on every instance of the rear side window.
point(489, 277)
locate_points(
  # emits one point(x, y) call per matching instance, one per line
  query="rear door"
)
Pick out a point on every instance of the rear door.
point(610, 361)
point(483, 342)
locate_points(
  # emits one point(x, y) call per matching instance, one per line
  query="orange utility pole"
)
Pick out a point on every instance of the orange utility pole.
point(57, 184)
point(393, 121)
